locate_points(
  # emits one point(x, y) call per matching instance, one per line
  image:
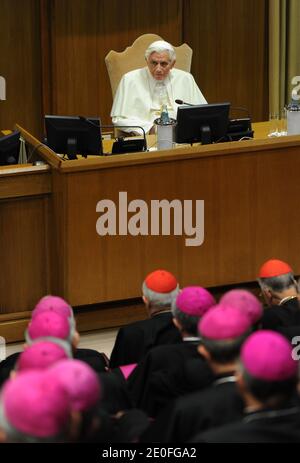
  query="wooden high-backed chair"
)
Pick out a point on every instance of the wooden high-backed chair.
point(133, 57)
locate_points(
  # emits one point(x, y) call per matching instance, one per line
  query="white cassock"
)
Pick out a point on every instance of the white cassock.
point(139, 97)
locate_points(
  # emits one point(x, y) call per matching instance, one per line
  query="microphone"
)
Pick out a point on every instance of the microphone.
point(183, 102)
point(111, 126)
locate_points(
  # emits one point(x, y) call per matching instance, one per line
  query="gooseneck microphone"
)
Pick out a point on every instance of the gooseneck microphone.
point(111, 126)
point(183, 102)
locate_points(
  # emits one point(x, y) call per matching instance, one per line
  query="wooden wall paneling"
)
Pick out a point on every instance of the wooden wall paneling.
point(13, 325)
point(110, 315)
point(82, 33)
point(230, 61)
point(53, 52)
point(20, 64)
point(59, 235)
point(46, 58)
point(13, 330)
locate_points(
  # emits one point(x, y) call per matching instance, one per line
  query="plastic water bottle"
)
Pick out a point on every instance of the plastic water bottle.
point(164, 115)
point(161, 92)
point(293, 118)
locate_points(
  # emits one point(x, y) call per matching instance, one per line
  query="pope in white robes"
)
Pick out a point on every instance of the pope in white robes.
point(142, 93)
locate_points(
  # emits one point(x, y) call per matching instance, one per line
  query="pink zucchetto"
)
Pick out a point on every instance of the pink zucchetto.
point(80, 380)
point(194, 301)
point(55, 304)
point(41, 355)
point(34, 406)
point(245, 301)
point(267, 355)
point(223, 322)
point(48, 324)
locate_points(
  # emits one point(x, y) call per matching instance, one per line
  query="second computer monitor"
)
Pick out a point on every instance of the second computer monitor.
point(204, 124)
point(10, 148)
point(74, 135)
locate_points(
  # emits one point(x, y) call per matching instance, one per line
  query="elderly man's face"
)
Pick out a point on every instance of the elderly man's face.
point(159, 65)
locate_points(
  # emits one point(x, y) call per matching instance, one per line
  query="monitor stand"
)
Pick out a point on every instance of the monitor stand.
point(205, 134)
point(72, 148)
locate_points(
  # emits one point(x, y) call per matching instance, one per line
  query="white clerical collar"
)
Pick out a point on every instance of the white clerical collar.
point(191, 339)
point(225, 379)
point(153, 82)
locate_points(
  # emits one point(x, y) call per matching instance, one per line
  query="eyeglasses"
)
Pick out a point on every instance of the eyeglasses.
point(163, 64)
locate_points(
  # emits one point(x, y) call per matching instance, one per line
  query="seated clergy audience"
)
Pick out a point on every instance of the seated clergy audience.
point(54, 304)
point(222, 331)
point(115, 394)
point(97, 361)
point(266, 378)
point(48, 325)
point(42, 354)
point(90, 422)
point(160, 376)
point(58, 310)
point(280, 291)
point(194, 371)
point(136, 339)
point(245, 301)
point(33, 409)
point(83, 387)
point(53, 325)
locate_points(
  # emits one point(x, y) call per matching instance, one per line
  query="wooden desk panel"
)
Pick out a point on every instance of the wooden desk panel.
point(24, 230)
point(24, 181)
point(247, 216)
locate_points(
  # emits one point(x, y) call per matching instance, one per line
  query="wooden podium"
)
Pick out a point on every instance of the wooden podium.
point(250, 191)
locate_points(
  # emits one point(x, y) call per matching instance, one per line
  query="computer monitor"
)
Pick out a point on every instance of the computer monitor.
point(10, 148)
point(74, 135)
point(206, 123)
